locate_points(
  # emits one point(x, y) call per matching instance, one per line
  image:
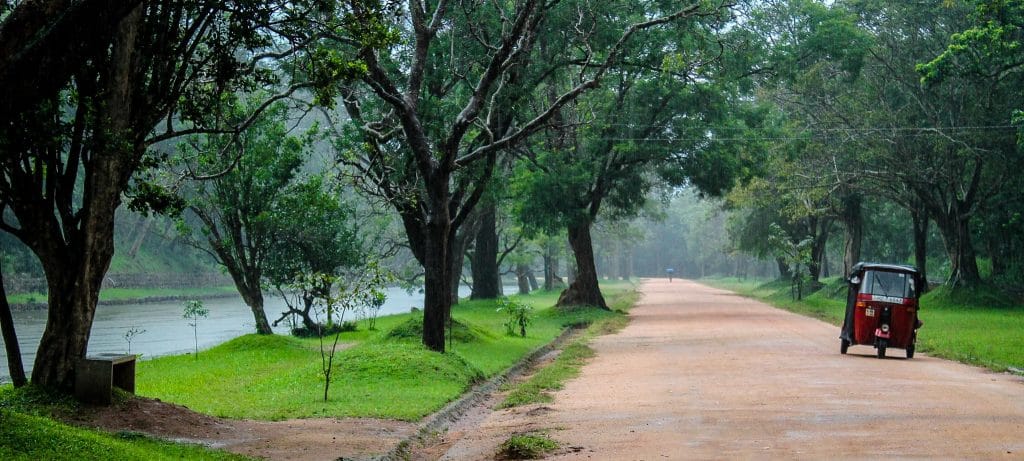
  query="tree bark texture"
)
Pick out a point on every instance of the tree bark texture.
point(852, 218)
point(437, 300)
point(956, 235)
point(584, 290)
point(75, 264)
point(521, 279)
point(785, 273)
point(919, 218)
point(820, 229)
point(486, 275)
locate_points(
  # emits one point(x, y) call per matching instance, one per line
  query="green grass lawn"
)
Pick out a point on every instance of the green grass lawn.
point(278, 377)
point(28, 433)
point(30, 438)
point(979, 326)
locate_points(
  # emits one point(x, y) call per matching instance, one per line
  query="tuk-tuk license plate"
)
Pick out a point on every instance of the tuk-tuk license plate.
point(870, 312)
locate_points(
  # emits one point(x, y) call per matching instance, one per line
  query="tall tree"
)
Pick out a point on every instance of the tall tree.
point(430, 110)
point(236, 209)
point(314, 239)
point(68, 154)
point(647, 123)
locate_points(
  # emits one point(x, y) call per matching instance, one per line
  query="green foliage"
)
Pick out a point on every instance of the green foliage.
point(527, 446)
point(518, 316)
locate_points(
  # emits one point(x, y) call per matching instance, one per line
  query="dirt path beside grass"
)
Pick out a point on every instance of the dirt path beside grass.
point(702, 373)
point(315, 439)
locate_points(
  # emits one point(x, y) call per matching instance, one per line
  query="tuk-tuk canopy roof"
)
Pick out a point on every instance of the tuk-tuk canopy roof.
point(862, 266)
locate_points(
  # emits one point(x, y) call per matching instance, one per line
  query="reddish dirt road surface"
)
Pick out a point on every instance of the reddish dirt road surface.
point(701, 373)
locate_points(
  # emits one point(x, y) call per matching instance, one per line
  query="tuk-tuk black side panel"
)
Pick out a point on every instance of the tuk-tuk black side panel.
point(851, 301)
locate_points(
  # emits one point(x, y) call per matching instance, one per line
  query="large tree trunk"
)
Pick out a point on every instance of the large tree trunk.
point(532, 278)
point(785, 273)
point(486, 275)
point(853, 227)
point(14, 364)
point(584, 289)
point(252, 295)
point(75, 270)
point(457, 260)
point(956, 235)
point(549, 272)
point(521, 279)
point(437, 290)
point(142, 230)
point(551, 266)
point(920, 223)
point(820, 228)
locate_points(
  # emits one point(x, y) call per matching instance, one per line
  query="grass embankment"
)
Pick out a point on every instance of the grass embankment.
point(385, 373)
point(978, 326)
point(25, 435)
point(133, 294)
point(574, 355)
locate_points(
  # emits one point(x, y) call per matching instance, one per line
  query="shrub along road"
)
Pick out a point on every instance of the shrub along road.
point(703, 373)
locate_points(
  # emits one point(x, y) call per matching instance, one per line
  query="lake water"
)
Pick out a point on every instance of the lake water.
point(167, 333)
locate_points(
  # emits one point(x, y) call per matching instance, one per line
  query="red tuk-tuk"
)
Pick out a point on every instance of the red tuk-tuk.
point(882, 307)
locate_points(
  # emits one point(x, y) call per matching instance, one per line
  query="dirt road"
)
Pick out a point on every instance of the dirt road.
point(701, 373)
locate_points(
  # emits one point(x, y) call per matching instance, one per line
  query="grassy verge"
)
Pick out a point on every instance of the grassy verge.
point(128, 294)
point(979, 327)
point(385, 373)
point(28, 436)
point(537, 388)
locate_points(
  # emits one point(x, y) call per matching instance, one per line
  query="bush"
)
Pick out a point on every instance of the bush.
point(519, 316)
point(344, 327)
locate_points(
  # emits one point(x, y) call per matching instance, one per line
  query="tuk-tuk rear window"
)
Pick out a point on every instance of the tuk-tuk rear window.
point(884, 283)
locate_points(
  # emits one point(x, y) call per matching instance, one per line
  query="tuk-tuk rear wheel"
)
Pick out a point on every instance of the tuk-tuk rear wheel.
point(843, 346)
point(881, 348)
point(910, 351)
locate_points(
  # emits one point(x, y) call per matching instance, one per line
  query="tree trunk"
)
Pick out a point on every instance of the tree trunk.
point(852, 218)
point(521, 279)
point(75, 269)
point(486, 275)
point(143, 230)
point(820, 231)
point(437, 289)
point(584, 289)
point(624, 271)
point(14, 364)
point(457, 260)
point(252, 295)
point(956, 235)
point(532, 278)
point(920, 223)
point(549, 273)
point(785, 273)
